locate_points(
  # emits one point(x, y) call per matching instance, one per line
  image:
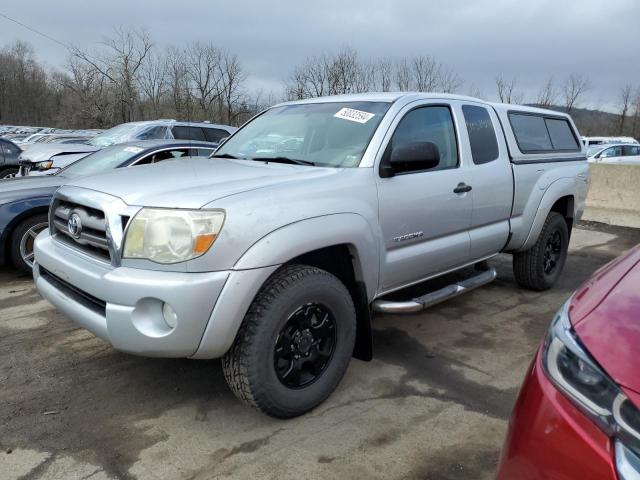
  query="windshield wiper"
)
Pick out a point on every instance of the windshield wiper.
point(225, 155)
point(293, 161)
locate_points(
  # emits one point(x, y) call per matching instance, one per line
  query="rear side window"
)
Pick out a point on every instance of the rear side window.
point(188, 133)
point(215, 134)
point(482, 136)
point(536, 133)
point(531, 133)
point(631, 151)
point(561, 135)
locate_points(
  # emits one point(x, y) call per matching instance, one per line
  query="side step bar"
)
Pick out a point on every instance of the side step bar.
point(450, 291)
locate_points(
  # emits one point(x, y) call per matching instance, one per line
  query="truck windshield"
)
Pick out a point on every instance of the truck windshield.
point(324, 134)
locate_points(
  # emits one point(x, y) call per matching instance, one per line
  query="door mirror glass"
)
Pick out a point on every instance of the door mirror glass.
point(413, 156)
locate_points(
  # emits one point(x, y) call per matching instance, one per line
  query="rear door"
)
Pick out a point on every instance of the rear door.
point(424, 222)
point(631, 154)
point(491, 179)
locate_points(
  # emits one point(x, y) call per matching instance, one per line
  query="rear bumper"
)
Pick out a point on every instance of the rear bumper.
point(550, 438)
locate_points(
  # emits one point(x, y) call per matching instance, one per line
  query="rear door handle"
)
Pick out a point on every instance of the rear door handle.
point(462, 188)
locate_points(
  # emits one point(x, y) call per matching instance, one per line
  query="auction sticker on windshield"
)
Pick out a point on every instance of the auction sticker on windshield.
point(354, 115)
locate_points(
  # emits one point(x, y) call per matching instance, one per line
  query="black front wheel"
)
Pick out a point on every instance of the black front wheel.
point(294, 344)
point(539, 267)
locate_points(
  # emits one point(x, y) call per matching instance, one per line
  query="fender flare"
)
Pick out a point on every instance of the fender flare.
point(311, 234)
point(265, 256)
point(562, 187)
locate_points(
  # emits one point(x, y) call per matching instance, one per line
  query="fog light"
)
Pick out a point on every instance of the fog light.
point(170, 315)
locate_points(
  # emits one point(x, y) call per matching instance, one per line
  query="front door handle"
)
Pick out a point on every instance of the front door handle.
point(462, 188)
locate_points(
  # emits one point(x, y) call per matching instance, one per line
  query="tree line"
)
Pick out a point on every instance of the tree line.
point(128, 77)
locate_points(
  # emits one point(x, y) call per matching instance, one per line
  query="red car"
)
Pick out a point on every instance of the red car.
point(577, 415)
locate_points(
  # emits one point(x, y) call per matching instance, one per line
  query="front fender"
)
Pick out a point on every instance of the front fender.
point(311, 234)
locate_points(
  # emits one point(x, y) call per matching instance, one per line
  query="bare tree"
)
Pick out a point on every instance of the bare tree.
point(574, 87)
point(635, 125)
point(426, 73)
point(625, 101)
point(506, 90)
point(403, 75)
point(384, 68)
point(232, 79)
point(450, 82)
point(153, 81)
point(547, 94)
point(204, 70)
point(178, 83)
point(119, 60)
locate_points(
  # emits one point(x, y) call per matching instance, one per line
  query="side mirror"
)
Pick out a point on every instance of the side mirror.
point(410, 157)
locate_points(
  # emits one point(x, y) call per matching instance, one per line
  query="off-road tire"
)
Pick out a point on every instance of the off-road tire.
point(249, 364)
point(528, 266)
point(16, 236)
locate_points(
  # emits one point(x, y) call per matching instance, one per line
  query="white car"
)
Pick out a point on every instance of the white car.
point(622, 154)
point(590, 141)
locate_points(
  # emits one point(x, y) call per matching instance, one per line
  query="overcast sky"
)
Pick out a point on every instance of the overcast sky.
point(479, 39)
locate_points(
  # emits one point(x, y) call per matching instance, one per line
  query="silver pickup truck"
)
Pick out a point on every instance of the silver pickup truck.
point(274, 253)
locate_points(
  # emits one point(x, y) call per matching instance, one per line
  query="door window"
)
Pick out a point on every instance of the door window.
point(611, 152)
point(181, 132)
point(7, 149)
point(430, 124)
point(163, 155)
point(631, 150)
point(215, 134)
point(482, 136)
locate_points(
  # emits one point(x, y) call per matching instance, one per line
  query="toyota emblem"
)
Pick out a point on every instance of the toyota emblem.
point(74, 225)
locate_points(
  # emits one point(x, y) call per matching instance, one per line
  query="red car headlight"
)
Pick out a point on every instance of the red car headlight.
point(578, 376)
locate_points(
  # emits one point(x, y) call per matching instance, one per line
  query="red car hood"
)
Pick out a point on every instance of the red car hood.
point(605, 313)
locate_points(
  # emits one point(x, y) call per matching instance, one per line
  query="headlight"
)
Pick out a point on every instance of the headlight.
point(46, 165)
point(171, 236)
point(576, 374)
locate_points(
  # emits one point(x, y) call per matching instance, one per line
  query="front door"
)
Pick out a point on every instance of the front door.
point(425, 215)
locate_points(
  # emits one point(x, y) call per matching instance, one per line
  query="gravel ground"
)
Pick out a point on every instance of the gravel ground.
point(433, 404)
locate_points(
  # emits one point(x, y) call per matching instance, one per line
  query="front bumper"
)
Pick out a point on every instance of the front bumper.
point(124, 305)
point(549, 437)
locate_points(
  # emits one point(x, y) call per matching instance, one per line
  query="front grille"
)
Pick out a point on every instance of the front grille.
point(91, 224)
point(80, 296)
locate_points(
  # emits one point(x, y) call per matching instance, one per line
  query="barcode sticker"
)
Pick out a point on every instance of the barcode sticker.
point(354, 115)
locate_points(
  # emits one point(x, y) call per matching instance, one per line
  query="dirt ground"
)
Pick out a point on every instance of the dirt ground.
point(433, 404)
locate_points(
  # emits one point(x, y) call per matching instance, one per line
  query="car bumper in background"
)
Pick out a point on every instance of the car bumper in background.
point(550, 438)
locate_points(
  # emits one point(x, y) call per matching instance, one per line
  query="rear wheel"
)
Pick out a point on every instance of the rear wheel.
point(539, 267)
point(23, 238)
point(294, 344)
point(7, 173)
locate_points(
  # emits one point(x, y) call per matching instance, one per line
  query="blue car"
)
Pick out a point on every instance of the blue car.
point(24, 201)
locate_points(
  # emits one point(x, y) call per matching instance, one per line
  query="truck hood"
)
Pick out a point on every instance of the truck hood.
point(195, 182)
point(611, 330)
point(28, 187)
point(40, 153)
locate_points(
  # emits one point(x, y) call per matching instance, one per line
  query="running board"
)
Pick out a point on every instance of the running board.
point(425, 301)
